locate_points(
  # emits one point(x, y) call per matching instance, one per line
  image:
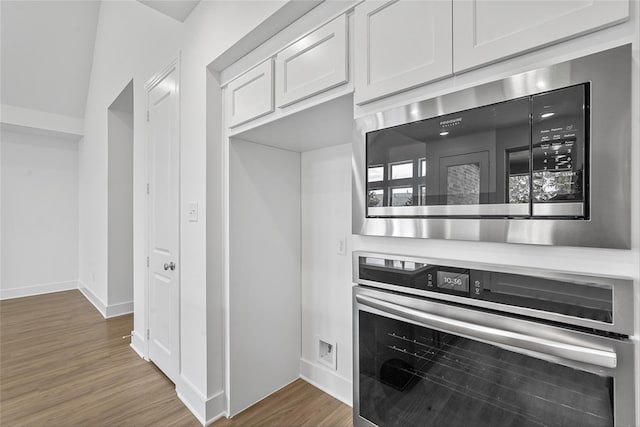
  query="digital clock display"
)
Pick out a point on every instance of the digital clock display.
point(454, 281)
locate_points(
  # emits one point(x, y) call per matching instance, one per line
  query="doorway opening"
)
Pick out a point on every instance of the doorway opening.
point(120, 204)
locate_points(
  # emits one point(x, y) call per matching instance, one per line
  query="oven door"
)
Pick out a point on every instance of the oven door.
point(423, 363)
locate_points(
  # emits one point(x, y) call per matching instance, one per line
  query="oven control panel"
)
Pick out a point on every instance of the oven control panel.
point(561, 296)
point(452, 280)
point(428, 277)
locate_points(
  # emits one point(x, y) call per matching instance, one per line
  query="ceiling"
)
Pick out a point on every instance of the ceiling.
point(46, 54)
point(46, 51)
point(176, 9)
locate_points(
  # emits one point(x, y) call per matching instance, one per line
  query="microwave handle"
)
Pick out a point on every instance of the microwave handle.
point(512, 340)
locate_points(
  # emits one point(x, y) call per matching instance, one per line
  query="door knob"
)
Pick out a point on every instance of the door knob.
point(170, 266)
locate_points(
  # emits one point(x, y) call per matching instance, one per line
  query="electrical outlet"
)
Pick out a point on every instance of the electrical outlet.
point(192, 211)
point(327, 353)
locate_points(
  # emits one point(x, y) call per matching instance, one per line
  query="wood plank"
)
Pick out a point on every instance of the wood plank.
point(297, 404)
point(62, 364)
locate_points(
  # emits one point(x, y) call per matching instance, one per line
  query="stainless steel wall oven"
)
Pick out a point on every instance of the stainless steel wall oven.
point(440, 343)
point(539, 157)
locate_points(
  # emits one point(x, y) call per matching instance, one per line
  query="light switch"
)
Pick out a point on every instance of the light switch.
point(192, 211)
point(341, 246)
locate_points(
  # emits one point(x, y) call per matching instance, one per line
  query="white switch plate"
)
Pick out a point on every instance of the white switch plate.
point(192, 211)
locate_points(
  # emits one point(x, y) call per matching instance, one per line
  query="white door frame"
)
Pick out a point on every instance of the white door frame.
point(151, 83)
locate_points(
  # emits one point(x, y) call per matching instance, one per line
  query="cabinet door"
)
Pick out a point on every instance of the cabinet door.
point(313, 64)
point(488, 30)
point(400, 44)
point(251, 95)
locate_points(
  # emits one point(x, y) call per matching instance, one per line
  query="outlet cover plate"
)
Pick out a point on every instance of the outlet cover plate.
point(327, 353)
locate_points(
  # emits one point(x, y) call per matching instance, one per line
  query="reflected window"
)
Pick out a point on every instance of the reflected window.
point(401, 170)
point(519, 188)
point(422, 167)
point(375, 198)
point(375, 173)
point(519, 180)
point(374, 261)
point(556, 185)
point(401, 196)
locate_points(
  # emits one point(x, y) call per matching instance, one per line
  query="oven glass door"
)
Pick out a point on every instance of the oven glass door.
point(471, 163)
point(412, 375)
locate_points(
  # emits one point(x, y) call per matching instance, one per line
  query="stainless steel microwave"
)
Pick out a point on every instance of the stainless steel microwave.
point(541, 157)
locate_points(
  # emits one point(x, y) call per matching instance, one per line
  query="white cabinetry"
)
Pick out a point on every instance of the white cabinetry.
point(489, 30)
point(400, 44)
point(313, 64)
point(251, 95)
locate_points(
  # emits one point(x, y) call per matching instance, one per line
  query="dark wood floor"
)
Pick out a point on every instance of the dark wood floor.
point(62, 364)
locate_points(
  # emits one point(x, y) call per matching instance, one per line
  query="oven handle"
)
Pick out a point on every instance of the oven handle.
point(603, 358)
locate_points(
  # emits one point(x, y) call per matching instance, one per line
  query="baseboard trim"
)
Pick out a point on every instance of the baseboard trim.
point(216, 406)
point(326, 380)
point(107, 311)
point(187, 402)
point(44, 288)
point(93, 299)
point(206, 410)
point(138, 344)
point(120, 309)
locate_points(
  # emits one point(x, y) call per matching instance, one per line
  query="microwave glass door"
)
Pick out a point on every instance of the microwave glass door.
point(416, 376)
point(472, 163)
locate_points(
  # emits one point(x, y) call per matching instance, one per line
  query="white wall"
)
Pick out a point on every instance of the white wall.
point(216, 312)
point(326, 274)
point(133, 41)
point(39, 214)
point(120, 203)
point(211, 29)
point(264, 271)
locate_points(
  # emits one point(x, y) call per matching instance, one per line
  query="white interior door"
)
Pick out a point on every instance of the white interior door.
point(163, 195)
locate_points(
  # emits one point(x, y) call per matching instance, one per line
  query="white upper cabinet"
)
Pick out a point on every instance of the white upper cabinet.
point(313, 64)
point(488, 30)
point(400, 44)
point(251, 95)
